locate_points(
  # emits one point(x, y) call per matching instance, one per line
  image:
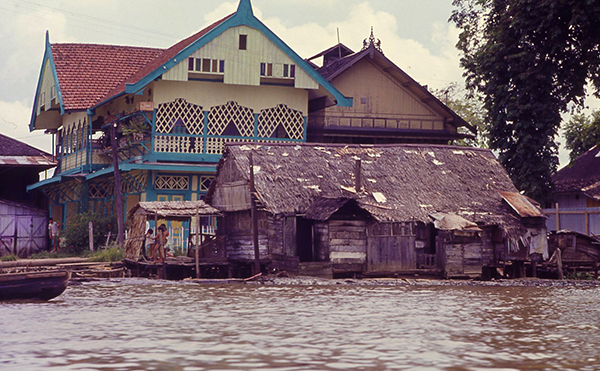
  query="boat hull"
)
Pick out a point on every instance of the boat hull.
point(33, 285)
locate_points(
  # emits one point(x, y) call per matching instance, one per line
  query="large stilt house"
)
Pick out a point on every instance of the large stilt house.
point(173, 110)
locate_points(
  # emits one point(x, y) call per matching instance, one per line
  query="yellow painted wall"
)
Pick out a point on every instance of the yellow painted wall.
point(242, 67)
point(209, 94)
point(47, 93)
point(384, 95)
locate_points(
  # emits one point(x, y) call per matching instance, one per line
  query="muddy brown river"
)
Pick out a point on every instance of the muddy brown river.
point(138, 324)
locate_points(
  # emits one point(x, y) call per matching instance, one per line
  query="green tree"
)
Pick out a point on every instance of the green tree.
point(77, 230)
point(470, 108)
point(582, 133)
point(529, 59)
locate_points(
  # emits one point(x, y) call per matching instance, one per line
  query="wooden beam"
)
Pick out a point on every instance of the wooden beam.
point(254, 212)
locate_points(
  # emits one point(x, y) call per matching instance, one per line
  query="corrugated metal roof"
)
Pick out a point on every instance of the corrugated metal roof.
point(523, 205)
point(27, 161)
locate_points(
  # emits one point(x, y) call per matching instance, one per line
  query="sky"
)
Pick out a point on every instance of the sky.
point(414, 34)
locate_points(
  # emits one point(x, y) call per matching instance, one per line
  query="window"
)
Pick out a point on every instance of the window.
point(243, 42)
point(278, 70)
point(206, 65)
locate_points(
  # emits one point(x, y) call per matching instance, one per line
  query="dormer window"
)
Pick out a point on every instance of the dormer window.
point(243, 42)
point(206, 65)
point(278, 70)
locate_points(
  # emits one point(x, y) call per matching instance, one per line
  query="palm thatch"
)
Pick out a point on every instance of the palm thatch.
point(173, 209)
point(399, 182)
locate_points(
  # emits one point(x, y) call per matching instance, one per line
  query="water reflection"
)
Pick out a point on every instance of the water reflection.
point(157, 325)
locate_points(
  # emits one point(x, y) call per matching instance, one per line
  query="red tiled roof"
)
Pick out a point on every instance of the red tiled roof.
point(91, 73)
point(87, 72)
point(163, 58)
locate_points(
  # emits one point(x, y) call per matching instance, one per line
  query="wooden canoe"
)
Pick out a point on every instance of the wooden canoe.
point(43, 285)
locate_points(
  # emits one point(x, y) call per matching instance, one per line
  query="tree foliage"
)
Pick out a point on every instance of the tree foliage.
point(77, 230)
point(468, 107)
point(529, 59)
point(582, 133)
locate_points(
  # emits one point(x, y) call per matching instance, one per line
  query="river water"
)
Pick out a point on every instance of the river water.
point(140, 324)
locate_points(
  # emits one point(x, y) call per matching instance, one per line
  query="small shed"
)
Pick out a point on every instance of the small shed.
point(23, 229)
point(20, 165)
point(171, 210)
point(337, 210)
point(577, 249)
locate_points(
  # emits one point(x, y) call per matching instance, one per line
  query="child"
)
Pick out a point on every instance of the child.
point(161, 241)
point(149, 243)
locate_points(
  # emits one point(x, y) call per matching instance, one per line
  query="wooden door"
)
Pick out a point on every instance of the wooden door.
point(391, 253)
point(176, 232)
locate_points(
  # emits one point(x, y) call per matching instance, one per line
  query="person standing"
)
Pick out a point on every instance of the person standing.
point(161, 240)
point(54, 233)
point(149, 244)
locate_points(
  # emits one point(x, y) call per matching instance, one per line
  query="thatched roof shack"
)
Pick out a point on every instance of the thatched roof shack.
point(454, 188)
point(173, 210)
point(398, 182)
point(176, 210)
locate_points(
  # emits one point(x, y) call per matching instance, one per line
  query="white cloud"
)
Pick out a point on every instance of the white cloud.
point(14, 122)
point(22, 46)
point(437, 68)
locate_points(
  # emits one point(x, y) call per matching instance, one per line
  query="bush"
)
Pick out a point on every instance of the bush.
point(112, 254)
point(77, 231)
point(9, 258)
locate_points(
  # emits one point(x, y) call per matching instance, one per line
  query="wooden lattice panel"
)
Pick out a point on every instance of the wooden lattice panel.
point(168, 114)
point(291, 120)
point(205, 182)
point(220, 117)
point(215, 146)
point(178, 144)
point(172, 182)
point(99, 190)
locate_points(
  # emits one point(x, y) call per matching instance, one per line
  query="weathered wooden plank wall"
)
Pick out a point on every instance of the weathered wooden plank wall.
point(347, 241)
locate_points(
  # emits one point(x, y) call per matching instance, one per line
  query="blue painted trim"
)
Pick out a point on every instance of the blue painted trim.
point(255, 132)
point(244, 16)
point(47, 56)
point(45, 182)
point(153, 130)
point(305, 127)
point(150, 167)
point(150, 191)
point(186, 157)
point(205, 131)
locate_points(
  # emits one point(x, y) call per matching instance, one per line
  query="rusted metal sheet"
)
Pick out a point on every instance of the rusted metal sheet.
point(521, 204)
point(27, 161)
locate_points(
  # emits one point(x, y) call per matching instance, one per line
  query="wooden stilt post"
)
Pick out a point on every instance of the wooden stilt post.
point(117, 190)
point(198, 243)
point(559, 264)
point(254, 218)
point(91, 235)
